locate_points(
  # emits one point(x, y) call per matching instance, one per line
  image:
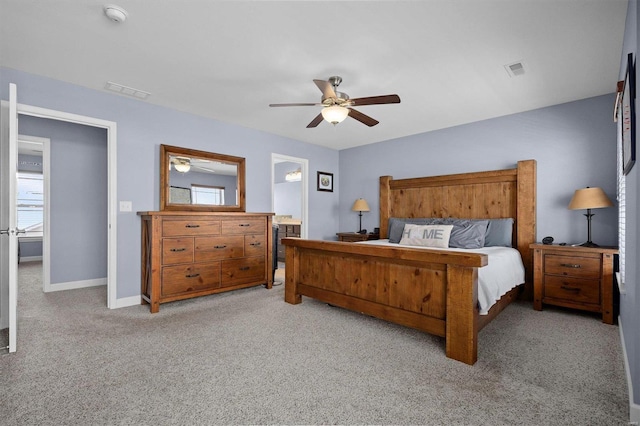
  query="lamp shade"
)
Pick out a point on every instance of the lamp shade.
point(335, 114)
point(589, 198)
point(360, 205)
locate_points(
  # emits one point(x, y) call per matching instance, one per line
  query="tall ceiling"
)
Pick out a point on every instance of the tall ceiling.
point(228, 60)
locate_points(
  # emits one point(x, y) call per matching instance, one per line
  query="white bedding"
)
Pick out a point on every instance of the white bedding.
point(504, 271)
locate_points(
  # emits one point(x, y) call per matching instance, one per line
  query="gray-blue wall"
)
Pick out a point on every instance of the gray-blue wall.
point(630, 302)
point(142, 127)
point(574, 145)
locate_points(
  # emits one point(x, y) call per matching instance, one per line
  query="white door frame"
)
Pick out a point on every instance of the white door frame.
point(112, 184)
point(304, 169)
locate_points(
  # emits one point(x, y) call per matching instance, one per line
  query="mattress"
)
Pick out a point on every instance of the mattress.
point(504, 271)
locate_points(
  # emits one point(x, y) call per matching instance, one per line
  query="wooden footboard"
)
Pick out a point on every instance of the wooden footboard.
point(433, 291)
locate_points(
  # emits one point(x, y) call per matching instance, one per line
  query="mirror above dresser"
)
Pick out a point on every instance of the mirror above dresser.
point(193, 180)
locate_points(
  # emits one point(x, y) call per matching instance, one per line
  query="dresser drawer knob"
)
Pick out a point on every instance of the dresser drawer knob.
point(192, 275)
point(564, 287)
point(245, 268)
point(219, 247)
point(571, 265)
point(192, 226)
point(254, 244)
point(178, 249)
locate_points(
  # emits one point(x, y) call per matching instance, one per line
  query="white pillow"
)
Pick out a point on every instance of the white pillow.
point(426, 235)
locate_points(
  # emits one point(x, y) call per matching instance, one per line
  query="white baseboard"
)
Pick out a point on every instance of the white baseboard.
point(72, 285)
point(127, 301)
point(634, 409)
point(31, 259)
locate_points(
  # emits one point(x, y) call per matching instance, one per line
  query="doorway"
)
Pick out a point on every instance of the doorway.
point(6, 280)
point(289, 198)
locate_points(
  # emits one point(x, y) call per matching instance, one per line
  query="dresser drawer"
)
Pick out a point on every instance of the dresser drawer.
point(572, 266)
point(187, 227)
point(218, 248)
point(572, 289)
point(254, 245)
point(190, 278)
point(243, 270)
point(177, 250)
point(243, 226)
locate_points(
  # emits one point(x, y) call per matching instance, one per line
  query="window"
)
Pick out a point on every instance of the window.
point(213, 195)
point(30, 202)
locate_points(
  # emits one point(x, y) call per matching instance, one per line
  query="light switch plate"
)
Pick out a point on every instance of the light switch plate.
point(126, 206)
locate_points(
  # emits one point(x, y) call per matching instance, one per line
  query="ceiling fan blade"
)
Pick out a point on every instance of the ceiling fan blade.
point(298, 104)
point(363, 118)
point(326, 88)
point(315, 121)
point(375, 100)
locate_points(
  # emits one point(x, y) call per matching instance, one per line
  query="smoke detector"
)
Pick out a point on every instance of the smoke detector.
point(115, 13)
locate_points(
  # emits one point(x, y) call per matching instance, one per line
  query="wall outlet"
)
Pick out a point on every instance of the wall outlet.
point(126, 206)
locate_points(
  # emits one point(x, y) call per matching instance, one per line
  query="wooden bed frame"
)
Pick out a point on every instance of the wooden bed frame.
point(430, 290)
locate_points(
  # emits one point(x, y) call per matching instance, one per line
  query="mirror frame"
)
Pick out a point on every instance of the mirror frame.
point(166, 151)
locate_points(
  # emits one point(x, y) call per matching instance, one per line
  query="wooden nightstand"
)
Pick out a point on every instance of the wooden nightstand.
point(354, 236)
point(574, 277)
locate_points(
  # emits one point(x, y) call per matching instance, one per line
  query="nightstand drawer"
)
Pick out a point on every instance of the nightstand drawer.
point(572, 266)
point(572, 289)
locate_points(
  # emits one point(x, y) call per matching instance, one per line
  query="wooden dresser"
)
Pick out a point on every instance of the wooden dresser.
point(286, 230)
point(574, 277)
point(191, 254)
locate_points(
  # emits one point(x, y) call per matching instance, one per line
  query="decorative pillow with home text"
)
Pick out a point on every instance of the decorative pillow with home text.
point(426, 235)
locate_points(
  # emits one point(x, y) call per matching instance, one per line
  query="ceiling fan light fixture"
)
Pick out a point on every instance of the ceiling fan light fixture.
point(335, 114)
point(115, 13)
point(182, 165)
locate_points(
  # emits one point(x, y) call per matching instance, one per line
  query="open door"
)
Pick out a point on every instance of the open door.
point(12, 230)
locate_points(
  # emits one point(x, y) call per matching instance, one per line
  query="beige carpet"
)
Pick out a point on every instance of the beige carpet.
point(246, 357)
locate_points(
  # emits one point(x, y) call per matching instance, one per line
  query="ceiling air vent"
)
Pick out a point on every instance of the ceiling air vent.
point(515, 69)
point(124, 90)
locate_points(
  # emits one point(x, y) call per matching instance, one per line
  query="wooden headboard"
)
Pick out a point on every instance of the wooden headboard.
point(481, 195)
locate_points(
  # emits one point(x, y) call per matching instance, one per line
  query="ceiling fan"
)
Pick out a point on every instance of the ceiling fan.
point(337, 105)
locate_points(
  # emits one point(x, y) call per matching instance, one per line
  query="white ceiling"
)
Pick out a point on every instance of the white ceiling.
point(228, 60)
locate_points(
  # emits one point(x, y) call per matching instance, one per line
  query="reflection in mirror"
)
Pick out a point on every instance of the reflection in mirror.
point(199, 180)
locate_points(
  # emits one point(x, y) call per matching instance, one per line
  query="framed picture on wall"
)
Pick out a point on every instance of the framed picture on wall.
point(325, 181)
point(629, 117)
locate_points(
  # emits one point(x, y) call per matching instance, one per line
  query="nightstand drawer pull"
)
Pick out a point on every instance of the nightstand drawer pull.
point(244, 224)
point(244, 268)
point(571, 265)
point(576, 289)
point(219, 247)
point(254, 244)
point(192, 226)
point(178, 249)
point(192, 276)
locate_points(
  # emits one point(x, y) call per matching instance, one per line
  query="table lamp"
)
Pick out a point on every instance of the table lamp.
point(589, 198)
point(360, 206)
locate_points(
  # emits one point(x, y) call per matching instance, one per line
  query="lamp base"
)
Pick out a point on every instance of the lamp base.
point(589, 244)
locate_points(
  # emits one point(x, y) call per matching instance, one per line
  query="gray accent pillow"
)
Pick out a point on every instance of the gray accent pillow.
point(466, 233)
point(499, 233)
point(396, 226)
